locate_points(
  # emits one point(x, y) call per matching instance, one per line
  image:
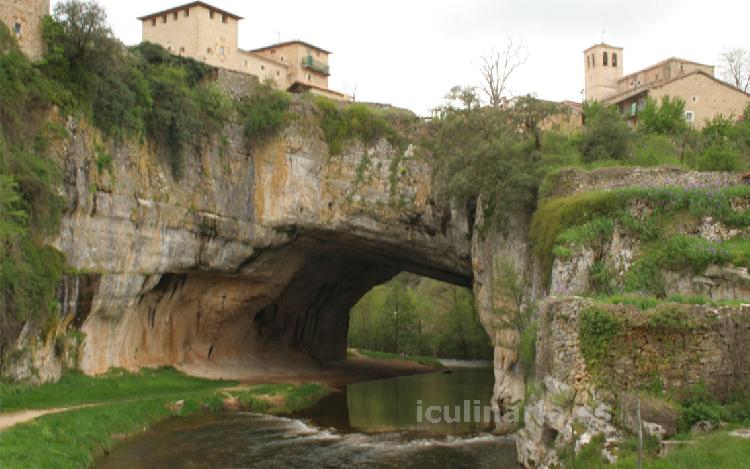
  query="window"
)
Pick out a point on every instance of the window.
point(604, 59)
point(153, 21)
point(221, 50)
point(695, 98)
point(182, 50)
point(208, 51)
point(224, 18)
point(282, 58)
point(317, 53)
point(17, 29)
point(187, 13)
point(308, 77)
point(633, 108)
point(164, 19)
point(211, 14)
point(588, 61)
point(614, 59)
point(593, 60)
point(278, 73)
point(174, 16)
point(262, 67)
point(273, 51)
point(689, 116)
point(657, 76)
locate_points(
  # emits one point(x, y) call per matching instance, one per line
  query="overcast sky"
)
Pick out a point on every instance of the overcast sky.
point(411, 52)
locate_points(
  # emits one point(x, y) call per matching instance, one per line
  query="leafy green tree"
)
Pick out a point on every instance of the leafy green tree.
point(665, 118)
point(490, 153)
point(606, 136)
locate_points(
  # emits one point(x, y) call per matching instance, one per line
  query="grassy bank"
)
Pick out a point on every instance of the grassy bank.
point(122, 403)
point(421, 359)
point(711, 451)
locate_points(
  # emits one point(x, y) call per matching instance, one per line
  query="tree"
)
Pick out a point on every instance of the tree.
point(665, 118)
point(735, 67)
point(606, 135)
point(497, 67)
point(87, 36)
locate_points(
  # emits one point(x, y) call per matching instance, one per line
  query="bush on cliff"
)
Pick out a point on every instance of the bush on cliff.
point(131, 92)
point(30, 204)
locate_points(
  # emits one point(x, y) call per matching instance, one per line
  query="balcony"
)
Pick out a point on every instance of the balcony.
point(314, 65)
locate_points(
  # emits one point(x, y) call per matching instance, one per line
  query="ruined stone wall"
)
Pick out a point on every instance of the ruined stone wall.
point(24, 20)
point(575, 181)
point(670, 347)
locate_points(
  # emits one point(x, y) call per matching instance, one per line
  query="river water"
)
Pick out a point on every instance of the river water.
point(370, 424)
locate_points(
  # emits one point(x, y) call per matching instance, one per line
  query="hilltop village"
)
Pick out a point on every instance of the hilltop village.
point(209, 34)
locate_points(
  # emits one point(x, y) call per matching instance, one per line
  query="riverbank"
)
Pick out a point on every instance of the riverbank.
point(91, 413)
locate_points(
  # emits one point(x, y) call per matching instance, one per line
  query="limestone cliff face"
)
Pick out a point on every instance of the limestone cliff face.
point(251, 261)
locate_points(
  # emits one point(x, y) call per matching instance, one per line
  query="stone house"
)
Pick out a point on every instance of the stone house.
point(210, 34)
point(24, 19)
point(704, 95)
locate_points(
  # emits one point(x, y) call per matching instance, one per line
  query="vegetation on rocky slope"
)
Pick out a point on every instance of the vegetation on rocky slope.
point(562, 226)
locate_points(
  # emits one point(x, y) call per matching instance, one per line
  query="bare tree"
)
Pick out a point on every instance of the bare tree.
point(498, 66)
point(735, 67)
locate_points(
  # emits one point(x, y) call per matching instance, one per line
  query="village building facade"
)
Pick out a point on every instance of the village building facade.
point(210, 35)
point(24, 20)
point(704, 95)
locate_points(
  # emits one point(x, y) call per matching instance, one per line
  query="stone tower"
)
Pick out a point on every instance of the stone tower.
point(603, 70)
point(24, 19)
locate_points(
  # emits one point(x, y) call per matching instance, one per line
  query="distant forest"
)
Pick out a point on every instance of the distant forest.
point(419, 316)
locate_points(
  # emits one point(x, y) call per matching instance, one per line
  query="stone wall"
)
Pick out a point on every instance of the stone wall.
point(27, 15)
point(236, 84)
point(575, 181)
point(671, 346)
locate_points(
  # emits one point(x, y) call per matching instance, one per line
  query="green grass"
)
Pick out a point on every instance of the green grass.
point(645, 302)
point(421, 359)
point(75, 388)
point(124, 404)
point(280, 398)
point(718, 450)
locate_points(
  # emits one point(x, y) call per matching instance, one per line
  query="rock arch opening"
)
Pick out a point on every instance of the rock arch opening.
point(284, 311)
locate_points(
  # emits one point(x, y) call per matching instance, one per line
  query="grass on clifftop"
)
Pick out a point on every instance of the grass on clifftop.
point(560, 225)
point(124, 403)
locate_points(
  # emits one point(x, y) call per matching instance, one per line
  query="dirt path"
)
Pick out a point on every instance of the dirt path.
point(8, 420)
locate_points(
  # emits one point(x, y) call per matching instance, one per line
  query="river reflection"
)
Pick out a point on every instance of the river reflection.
point(391, 404)
point(368, 425)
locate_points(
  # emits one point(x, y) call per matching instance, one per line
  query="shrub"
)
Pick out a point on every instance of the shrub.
point(652, 150)
point(719, 158)
point(263, 112)
point(665, 118)
point(606, 136)
point(342, 124)
point(597, 329)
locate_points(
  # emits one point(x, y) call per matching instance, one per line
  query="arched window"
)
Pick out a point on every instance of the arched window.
point(588, 61)
point(593, 60)
point(614, 59)
point(604, 59)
